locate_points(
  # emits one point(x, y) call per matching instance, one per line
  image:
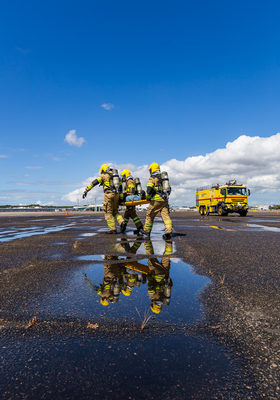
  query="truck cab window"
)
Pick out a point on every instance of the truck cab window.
point(237, 191)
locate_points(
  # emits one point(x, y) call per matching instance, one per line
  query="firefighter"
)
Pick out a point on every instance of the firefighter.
point(111, 198)
point(129, 189)
point(125, 247)
point(159, 202)
point(113, 284)
point(159, 282)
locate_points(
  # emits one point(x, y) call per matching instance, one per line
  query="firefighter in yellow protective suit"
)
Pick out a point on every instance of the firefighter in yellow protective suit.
point(130, 279)
point(112, 283)
point(159, 282)
point(159, 202)
point(111, 198)
point(129, 191)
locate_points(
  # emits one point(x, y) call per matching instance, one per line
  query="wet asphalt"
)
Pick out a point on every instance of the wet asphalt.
point(227, 348)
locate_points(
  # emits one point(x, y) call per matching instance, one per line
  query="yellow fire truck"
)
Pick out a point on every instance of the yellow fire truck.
point(223, 199)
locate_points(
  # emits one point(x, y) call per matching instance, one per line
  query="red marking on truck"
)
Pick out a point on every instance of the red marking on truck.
point(219, 198)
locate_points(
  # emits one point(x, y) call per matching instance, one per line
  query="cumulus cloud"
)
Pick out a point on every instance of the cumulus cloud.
point(72, 140)
point(108, 106)
point(253, 161)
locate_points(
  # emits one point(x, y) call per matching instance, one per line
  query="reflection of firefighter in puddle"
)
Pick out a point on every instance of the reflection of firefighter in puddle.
point(159, 282)
point(131, 279)
point(112, 283)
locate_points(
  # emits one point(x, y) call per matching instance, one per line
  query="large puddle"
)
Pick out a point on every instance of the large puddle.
point(19, 233)
point(117, 329)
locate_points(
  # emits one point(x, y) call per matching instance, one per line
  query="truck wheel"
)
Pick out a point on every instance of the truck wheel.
point(201, 211)
point(243, 213)
point(221, 212)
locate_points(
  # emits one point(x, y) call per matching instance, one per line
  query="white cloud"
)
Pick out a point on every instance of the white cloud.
point(50, 203)
point(108, 106)
point(3, 156)
point(28, 167)
point(72, 140)
point(253, 161)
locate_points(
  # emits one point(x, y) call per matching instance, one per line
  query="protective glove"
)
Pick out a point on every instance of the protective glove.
point(84, 194)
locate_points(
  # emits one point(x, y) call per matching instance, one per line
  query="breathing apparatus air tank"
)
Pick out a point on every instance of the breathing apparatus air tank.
point(138, 186)
point(116, 181)
point(116, 291)
point(167, 289)
point(138, 280)
point(165, 183)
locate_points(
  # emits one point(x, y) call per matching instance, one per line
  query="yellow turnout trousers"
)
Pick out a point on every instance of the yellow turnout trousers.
point(154, 208)
point(110, 206)
point(131, 213)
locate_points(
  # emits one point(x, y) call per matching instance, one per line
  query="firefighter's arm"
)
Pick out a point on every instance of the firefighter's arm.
point(91, 185)
point(150, 189)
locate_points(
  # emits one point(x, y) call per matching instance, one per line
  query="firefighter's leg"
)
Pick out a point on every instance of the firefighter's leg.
point(165, 261)
point(135, 218)
point(116, 213)
point(135, 247)
point(149, 247)
point(168, 248)
point(152, 211)
point(166, 219)
point(108, 206)
point(126, 215)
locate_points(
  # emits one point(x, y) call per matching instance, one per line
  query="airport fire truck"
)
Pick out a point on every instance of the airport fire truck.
point(223, 199)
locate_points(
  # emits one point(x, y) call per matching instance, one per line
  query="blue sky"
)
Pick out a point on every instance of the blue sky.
point(183, 79)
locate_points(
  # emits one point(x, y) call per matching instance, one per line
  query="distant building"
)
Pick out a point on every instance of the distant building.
point(263, 208)
point(183, 208)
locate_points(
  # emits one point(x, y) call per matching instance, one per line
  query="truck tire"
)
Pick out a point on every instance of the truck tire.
point(243, 213)
point(201, 210)
point(221, 212)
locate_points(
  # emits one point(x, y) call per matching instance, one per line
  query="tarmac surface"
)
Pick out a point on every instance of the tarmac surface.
point(217, 337)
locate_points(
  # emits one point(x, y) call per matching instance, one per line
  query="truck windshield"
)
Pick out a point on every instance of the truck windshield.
point(234, 191)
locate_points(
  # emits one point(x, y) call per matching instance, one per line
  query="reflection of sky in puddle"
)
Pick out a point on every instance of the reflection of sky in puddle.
point(265, 228)
point(91, 257)
point(42, 219)
point(88, 234)
point(264, 220)
point(158, 246)
point(134, 365)
point(31, 231)
point(55, 256)
point(79, 297)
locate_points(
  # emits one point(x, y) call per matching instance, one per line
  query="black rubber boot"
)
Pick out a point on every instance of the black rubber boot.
point(139, 231)
point(114, 232)
point(123, 227)
point(167, 236)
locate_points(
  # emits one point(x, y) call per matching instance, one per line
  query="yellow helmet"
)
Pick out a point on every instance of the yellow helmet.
point(126, 291)
point(154, 167)
point(155, 308)
point(104, 168)
point(104, 301)
point(125, 174)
